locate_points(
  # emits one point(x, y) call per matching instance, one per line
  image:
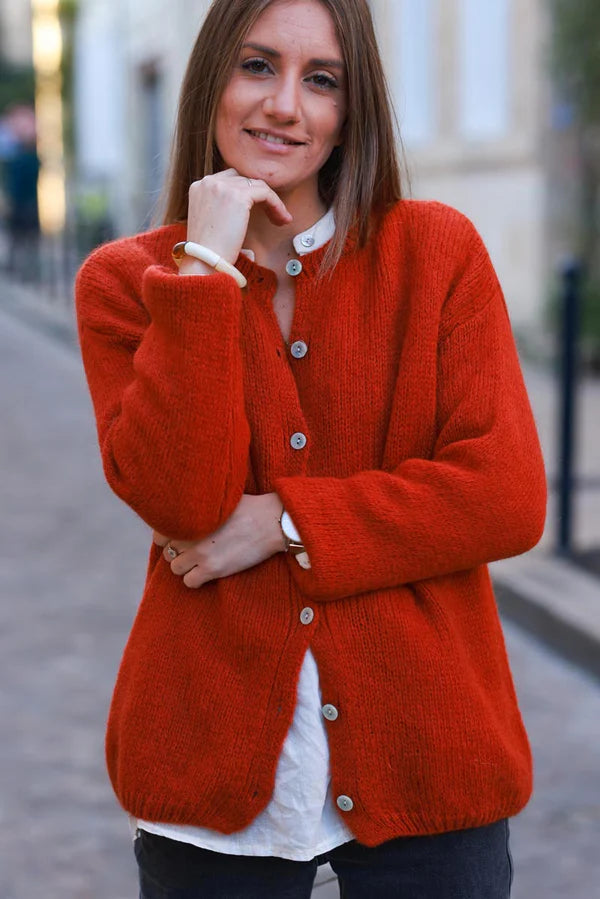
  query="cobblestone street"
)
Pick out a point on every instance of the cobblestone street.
point(72, 564)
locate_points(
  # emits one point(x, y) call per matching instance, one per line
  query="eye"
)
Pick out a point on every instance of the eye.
point(324, 81)
point(256, 66)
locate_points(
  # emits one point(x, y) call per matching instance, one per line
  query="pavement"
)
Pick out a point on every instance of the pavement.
point(72, 566)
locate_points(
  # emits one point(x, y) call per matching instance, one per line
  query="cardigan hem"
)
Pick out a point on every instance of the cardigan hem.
point(370, 831)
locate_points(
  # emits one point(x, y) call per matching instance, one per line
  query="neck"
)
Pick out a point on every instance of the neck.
point(270, 241)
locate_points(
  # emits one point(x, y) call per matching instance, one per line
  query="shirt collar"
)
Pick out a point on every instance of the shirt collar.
point(310, 240)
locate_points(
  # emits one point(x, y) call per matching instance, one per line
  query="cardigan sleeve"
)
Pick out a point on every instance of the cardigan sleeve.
point(164, 370)
point(480, 497)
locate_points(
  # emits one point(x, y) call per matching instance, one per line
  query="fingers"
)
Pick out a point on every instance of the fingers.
point(260, 192)
point(188, 566)
point(170, 552)
point(194, 579)
point(275, 208)
point(183, 563)
point(254, 191)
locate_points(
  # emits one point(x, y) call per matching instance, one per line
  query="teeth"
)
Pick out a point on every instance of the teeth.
point(271, 138)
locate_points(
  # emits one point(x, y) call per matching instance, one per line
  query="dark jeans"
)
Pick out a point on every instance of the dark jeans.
point(463, 864)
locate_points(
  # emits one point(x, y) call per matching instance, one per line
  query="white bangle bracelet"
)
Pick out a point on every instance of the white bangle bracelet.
point(197, 251)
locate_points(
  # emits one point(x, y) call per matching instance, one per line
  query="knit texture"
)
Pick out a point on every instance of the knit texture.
point(422, 464)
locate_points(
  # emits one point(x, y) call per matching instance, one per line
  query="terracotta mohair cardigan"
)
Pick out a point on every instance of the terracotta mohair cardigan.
point(422, 464)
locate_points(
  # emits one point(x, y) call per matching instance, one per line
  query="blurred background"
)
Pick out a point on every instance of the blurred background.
point(498, 105)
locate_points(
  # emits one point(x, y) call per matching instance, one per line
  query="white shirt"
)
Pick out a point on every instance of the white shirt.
point(301, 820)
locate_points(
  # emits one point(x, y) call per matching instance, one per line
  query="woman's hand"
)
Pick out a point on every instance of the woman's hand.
point(250, 536)
point(219, 211)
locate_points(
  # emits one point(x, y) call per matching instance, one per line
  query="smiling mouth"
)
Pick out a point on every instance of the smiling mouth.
point(271, 139)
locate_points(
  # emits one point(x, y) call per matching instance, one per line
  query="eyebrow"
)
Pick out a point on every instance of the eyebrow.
point(319, 63)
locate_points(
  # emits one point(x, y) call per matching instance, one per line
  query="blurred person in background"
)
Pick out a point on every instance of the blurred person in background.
point(307, 386)
point(20, 170)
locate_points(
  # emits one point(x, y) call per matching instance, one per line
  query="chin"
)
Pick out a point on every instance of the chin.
point(282, 184)
point(278, 178)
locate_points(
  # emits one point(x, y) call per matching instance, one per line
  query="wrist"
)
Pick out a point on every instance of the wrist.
point(184, 250)
point(274, 535)
point(191, 266)
point(213, 244)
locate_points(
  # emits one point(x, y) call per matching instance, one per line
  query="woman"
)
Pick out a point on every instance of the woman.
point(308, 388)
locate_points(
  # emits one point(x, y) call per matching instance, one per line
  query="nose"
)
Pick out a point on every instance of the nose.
point(283, 101)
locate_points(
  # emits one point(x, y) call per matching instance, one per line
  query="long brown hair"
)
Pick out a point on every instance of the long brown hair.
point(360, 178)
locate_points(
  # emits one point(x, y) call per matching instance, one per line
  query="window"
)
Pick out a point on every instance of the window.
point(484, 68)
point(414, 88)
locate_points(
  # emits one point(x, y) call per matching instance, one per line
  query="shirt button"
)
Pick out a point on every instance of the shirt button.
point(299, 349)
point(298, 440)
point(345, 803)
point(294, 267)
point(307, 616)
point(307, 241)
point(330, 712)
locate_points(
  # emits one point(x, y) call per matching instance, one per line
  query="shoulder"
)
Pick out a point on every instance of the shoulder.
point(428, 223)
point(428, 239)
point(108, 286)
point(132, 255)
point(436, 251)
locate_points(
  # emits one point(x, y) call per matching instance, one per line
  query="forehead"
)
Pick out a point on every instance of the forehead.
point(304, 26)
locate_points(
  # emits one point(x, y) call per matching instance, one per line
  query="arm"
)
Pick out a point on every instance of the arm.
point(165, 373)
point(480, 497)
point(166, 383)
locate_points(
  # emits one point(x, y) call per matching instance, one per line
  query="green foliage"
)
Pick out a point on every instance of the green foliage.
point(589, 319)
point(590, 324)
point(68, 13)
point(68, 9)
point(17, 85)
point(576, 54)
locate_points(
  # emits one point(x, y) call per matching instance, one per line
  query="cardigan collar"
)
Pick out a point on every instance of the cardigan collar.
point(310, 240)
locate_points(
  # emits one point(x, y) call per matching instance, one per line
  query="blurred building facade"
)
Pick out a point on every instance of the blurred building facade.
point(472, 93)
point(129, 63)
point(15, 32)
point(468, 80)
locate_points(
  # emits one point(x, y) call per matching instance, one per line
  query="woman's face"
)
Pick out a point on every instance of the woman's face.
point(283, 110)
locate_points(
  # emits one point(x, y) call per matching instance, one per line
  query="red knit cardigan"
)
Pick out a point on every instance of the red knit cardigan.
point(421, 465)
